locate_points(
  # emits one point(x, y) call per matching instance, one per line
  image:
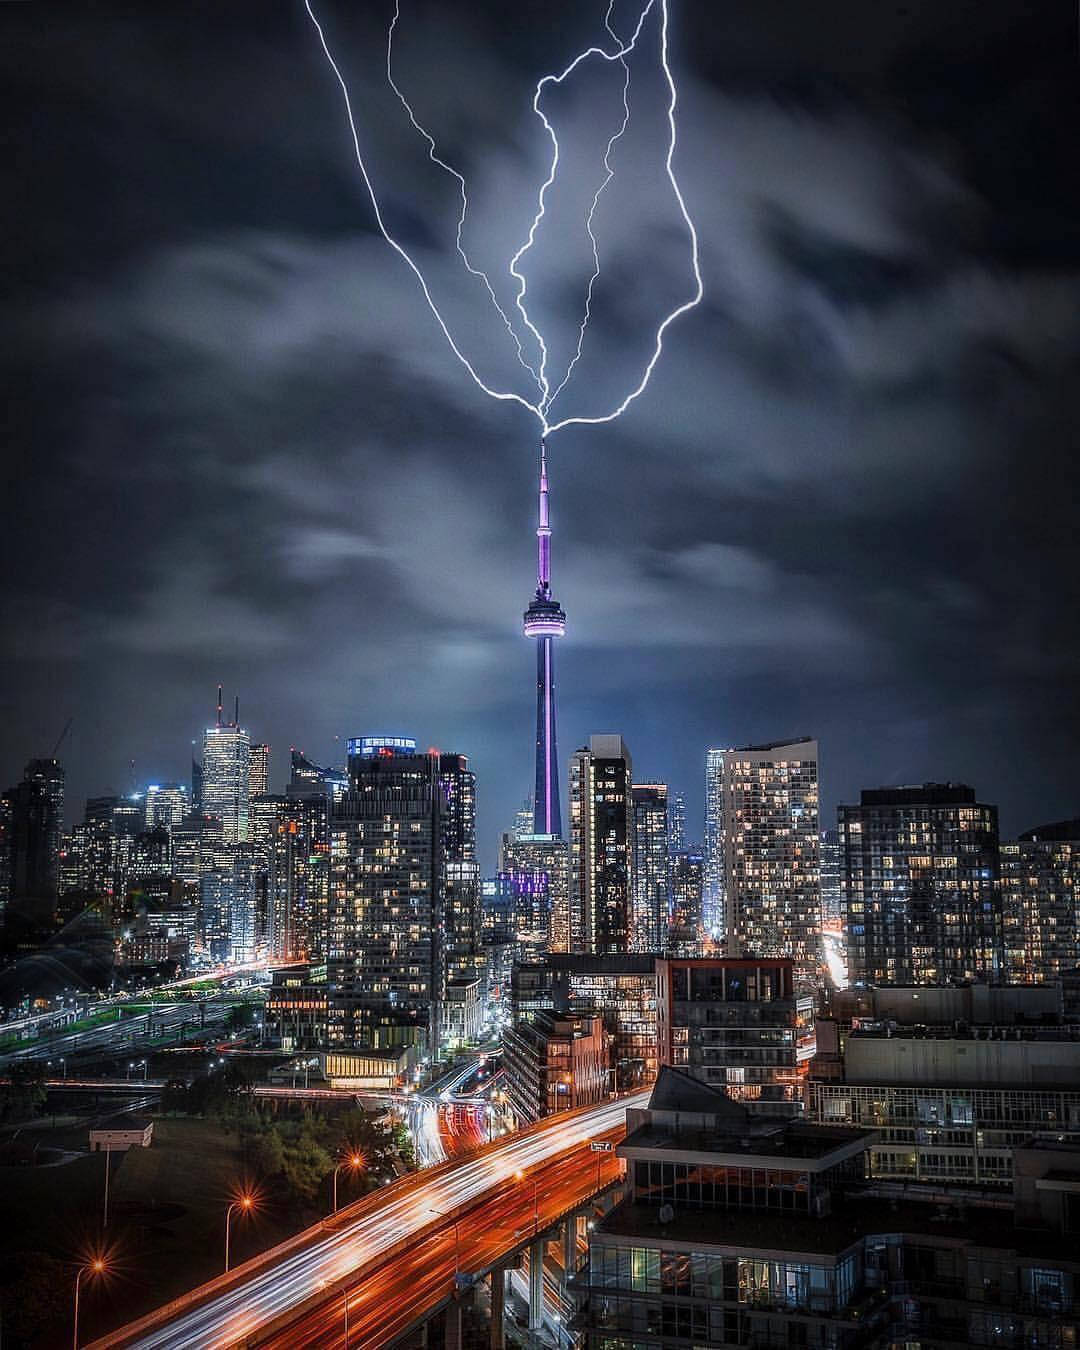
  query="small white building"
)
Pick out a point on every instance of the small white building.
point(119, 1133)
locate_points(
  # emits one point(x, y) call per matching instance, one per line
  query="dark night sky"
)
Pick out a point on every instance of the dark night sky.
point(240, 449)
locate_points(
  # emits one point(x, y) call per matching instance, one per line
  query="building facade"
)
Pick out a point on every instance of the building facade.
point(601, 846)
point(1040, 903)
point(740, 1025)
point(651, 867)
point(523, 854)
point(762, 834)
point(395, 837)
point(921, 885)
point(556, 1062)
point(737, 1232)
point(226, 763)
point(686, 932)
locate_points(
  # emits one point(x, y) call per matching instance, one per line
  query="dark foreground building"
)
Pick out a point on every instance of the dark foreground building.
point(741, 1231)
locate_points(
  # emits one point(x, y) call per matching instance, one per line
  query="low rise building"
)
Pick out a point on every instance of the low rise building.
point(952, 1107)
point(738, 1024)
point(296, 1007)
point(741, 1230)
point(621, 988)
point(119, 1133)
point(554, 1063)
point(464, 1011)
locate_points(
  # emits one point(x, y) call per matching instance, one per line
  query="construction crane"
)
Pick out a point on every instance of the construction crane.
point(61, 738)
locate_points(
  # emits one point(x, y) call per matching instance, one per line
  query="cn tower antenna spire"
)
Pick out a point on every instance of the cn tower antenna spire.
point(543, 532)
point(544, 620)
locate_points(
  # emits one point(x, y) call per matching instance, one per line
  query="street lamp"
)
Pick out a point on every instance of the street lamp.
point(246, 1203)
point(355, 1160)
point(95, 1267)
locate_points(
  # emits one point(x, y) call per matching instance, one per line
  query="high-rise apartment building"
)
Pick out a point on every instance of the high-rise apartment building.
point(601, 846)
point(259, 770)
point(226, 763)
point(291, 835)
point(35, 814)
point(685, 934)
point(523, 854)
point(832, 878)
point(762, 830)
point(676, 821)
point(395, 838)
point(921, 885)
point(714, 911)
point(651, 867)
point(1040, 901)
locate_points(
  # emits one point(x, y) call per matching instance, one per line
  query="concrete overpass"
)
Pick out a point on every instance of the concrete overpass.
point(389, 1262)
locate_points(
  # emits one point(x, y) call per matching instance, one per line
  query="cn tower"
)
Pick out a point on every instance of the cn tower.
point(544, 620)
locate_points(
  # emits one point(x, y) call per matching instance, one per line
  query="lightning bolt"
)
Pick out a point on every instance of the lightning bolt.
point(608, 176)
point(433, 156)
point(542, 406)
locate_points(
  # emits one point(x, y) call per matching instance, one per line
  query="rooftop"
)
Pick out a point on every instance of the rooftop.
point(849, 1223)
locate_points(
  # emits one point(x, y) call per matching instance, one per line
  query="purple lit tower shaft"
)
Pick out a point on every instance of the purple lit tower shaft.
point(545, 620)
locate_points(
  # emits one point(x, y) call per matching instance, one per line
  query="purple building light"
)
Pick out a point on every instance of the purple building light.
point(544, 620)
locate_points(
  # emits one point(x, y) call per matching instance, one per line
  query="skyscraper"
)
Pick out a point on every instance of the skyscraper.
point(651, 869)
point(714, 910)
point(225, 784)
point(601, 846)
point(166, 804)
point(306, 776)
point(36, 819)
point(676, 821)
point(763, 825)
point(544, 620)
point(394, 836)
point(1040, 896)
point(832, 878)
point(527, 854)
point(259, 770)
point(685, 934)
point(921, 885)
point(291, 835)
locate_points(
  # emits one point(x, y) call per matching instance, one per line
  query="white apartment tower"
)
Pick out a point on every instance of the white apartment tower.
point(763, 851)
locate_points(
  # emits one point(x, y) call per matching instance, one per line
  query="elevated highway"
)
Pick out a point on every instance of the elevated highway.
point(390, 1259)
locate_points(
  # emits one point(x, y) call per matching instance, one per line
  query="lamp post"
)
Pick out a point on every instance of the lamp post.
point(245, 1204)
point(95, 1267)
point(355, 1161)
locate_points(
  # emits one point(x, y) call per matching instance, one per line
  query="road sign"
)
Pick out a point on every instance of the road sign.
point(602, 1146)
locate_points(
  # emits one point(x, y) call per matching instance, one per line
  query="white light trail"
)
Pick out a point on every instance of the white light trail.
point(609, 175)
point(435, 159)
point(541, 408)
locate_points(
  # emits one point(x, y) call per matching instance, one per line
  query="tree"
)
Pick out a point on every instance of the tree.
point(239, 1017)
point(174, 1096)
point(305, 1164)
point(25, 1095)
point(266, 1152)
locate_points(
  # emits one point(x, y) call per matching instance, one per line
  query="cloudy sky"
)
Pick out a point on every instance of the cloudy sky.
point(241, 450)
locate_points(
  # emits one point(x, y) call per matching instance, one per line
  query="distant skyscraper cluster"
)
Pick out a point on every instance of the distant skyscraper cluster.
point(367, 876)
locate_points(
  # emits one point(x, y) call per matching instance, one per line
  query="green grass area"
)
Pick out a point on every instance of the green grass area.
point(167, 1218)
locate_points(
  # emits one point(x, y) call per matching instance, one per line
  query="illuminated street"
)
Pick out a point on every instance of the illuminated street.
point(264, 1289)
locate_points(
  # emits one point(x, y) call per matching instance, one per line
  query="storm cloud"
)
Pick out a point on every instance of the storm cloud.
point(242, 451)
